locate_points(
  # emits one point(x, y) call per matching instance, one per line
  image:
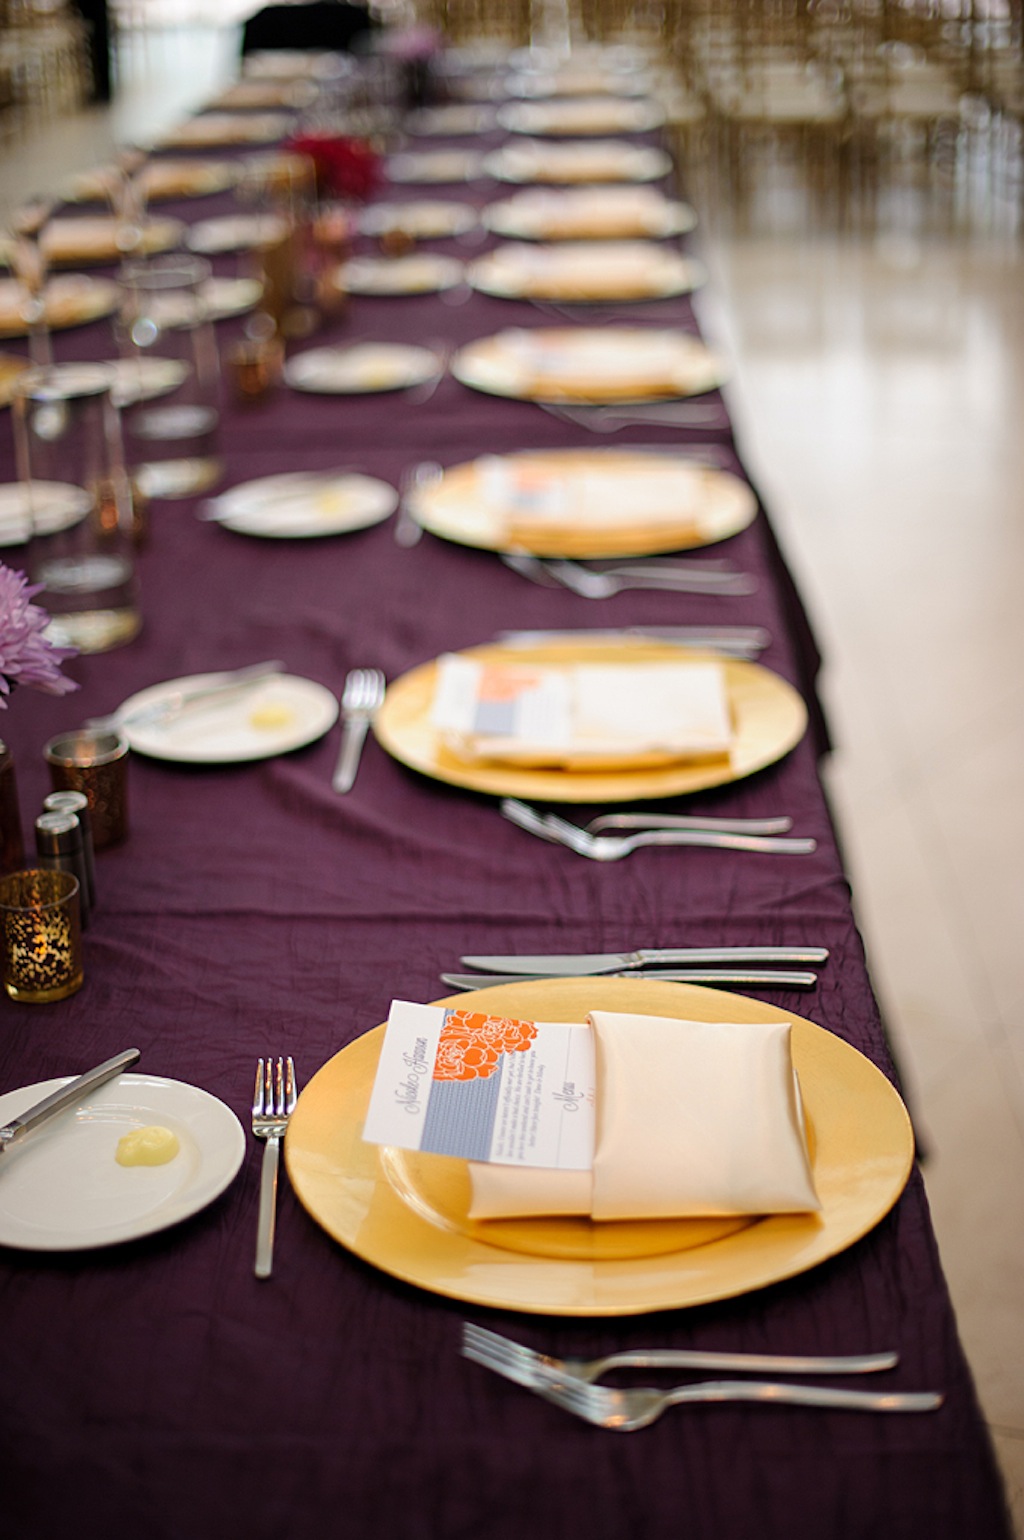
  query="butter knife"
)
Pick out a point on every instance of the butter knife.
point(715, 978)
point(622, 962)
point(67, 1096)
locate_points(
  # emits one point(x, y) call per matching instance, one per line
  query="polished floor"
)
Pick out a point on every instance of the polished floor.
point(879, 394)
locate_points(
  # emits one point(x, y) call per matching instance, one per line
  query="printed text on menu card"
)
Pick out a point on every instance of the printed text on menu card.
point(484, 1087)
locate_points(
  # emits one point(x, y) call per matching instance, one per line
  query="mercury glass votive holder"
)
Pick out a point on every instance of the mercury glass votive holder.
point(41, 936)
point(94, 761)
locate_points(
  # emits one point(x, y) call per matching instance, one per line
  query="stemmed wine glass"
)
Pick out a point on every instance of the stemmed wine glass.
point(28, 257)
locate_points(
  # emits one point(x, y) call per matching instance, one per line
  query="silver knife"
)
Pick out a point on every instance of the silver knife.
point(749, 978)
point(67, 1096)
point(620, 962)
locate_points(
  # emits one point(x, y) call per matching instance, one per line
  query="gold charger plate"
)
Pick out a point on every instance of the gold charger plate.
point(586, 271)
point(406, 1213)
point(94, 239)
point(769, 719)
point(584, 115)
point(716, 505)
point(589, 364)
point(71, 300)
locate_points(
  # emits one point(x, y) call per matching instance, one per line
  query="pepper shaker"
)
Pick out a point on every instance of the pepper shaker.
point(59, 848)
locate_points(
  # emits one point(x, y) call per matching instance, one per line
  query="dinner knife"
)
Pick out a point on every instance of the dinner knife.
point(740, 978)
point(621, 962)
point(67, 1096)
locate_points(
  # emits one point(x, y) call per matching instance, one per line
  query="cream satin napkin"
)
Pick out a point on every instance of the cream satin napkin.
point(693, 1119)
point(585, 716)
point(639, 501)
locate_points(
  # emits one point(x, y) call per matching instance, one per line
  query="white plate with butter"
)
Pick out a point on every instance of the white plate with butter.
point(304, 505)
point(362, 369)
point(63, 1188)
point(280, 713)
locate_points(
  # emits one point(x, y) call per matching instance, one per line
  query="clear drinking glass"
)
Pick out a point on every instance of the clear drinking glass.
point(70, 458)
point(170, 390)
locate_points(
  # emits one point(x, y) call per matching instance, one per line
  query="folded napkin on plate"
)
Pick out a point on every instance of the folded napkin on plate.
point(694, 1118)
point(639, 502)
point(585, 716)
point(577, 363)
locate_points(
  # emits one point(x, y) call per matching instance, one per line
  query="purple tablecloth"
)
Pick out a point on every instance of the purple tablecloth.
point(155, 1387)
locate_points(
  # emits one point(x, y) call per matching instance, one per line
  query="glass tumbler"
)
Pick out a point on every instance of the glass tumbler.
point(70, 457)
point(170, 385)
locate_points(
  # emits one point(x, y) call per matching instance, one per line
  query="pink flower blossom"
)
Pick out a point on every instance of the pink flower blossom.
point(26, 657)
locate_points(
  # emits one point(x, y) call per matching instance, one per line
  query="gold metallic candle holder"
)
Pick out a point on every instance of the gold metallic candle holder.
point(40, 936)
point(95, 762)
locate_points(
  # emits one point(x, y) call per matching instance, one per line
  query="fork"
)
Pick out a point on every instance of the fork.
point(677, 579)
point(361, 699)
point(408, 530)
point(606, 821)
point(273, 1103)
point(493, 1349)
point(624, 1411)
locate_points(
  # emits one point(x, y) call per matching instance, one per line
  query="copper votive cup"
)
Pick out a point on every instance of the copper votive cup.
point(255, 366)
point(40, 936)
point(96, 763)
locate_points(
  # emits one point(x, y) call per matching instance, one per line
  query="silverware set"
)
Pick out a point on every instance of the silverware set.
point(273, 1103)
point(570, 1383)
point(361, 699)
point(666, 414)
point(652, 574)
point(723, 834)
point(752, 967)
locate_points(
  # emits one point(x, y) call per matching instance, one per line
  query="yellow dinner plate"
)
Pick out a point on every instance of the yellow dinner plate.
point(589, 364)
point(72, 299)
point(709, 504)
point(585, 271)
point(406, 1212)
point(769, 718)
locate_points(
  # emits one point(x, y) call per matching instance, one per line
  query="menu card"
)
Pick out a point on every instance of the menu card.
point(485, 1087)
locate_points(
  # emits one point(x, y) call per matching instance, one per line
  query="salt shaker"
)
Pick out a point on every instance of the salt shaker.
point(78, 803)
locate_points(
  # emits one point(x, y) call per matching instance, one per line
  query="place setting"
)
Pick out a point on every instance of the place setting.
point(617, 212)
point(160, 180)
point(569, 162)
point(590, 365)
point(589, 722)
point(432, 166)
point(420, 219)
point(97, 239)
point(417, 272)
point(458, 1177)
point(217, 130)
point(597, 115)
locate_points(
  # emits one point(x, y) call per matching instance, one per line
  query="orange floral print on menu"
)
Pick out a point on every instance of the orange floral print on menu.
point(472, 1043)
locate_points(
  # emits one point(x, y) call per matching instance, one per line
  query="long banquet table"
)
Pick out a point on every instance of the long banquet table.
point(156, 1387)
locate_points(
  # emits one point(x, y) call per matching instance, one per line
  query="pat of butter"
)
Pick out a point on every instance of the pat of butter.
point(269, 719)
point(151, 1146)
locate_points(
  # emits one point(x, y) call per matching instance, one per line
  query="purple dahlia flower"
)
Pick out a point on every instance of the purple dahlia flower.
point(26, 657)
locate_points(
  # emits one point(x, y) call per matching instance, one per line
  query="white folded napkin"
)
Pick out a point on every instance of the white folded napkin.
point(584, 716)
point(694, 1119)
